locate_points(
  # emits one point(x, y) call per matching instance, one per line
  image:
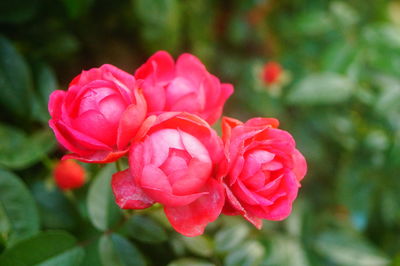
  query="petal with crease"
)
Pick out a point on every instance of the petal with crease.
point(191, 220)
point(127, 194)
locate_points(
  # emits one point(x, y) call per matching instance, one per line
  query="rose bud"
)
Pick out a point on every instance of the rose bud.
point(184, 86)
point(68, 174)
point(98, 115)
point(174, 164)
point(271, 73)
point(262, 171)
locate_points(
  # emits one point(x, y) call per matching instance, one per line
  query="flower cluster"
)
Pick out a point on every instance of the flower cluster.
point(160, 118)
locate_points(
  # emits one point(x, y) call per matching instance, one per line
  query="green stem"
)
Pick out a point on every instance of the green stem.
point(118, 165)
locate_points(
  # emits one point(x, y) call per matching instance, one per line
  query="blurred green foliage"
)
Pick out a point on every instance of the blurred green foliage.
point(341, 101)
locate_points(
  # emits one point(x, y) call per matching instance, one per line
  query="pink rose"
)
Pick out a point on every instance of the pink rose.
point(99, 114)
point(186, 86)
point(174, 164)
point(263, 169)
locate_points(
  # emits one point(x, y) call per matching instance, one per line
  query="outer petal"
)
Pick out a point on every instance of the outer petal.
point(127, 194)
point(262, 122)
point(131, 121)
point(215, 114)
point(300, 165)
point(190, 67)
point(191, 220)
point(64, 140)
point(55, 101)
point(228, 124)
point(97, 157)
point(160, 64)
point(233, 207)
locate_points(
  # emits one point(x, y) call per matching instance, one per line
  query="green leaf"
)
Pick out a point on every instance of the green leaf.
point(199, 245)
point(45, 84)
point(230, 237)
point(45, 249)
point(356, 190)
point(306, 22)
point(190, 262)
point(145, 229)
point(21, 151)
point(56, 211)
point(92, 254)
point(323, 88)
point(250, 253)
point(18, 208)
point(344, 14)
point(347, 249)
point(103, 211)
point(117, 250)
point(388, 105)
point(160, 28)
point(286, 250)
point(15, 81)
point(5, 225)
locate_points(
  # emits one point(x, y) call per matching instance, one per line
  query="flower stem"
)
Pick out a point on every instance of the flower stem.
point(118, 165)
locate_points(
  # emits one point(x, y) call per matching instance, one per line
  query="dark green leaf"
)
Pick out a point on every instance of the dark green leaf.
point(45, 84)
point(48, 248)
point(145, 229)
point(92, 254)
point(20, 151)
point(117, 250)
point(103, 211)
point(56, 211)
point(19, 213)
point(15, 81)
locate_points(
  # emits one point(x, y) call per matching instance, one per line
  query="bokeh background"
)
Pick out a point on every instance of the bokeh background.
point(339, 96)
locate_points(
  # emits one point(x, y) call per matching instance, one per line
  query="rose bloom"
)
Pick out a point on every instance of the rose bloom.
point(271, 73)
point(184, 86)
point(99, 114)
point(68, 174)
point(174, 164)
point(262, 171)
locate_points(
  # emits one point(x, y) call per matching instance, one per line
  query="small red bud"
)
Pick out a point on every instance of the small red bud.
point(271, 72)
point(68, 174)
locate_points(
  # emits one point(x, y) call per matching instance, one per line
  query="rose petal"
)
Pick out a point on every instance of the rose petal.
point(65, 141)
point(196, 176)
point(161, 64)
point(127, 194)
point(300, 165)
point(156, 184)
point(131, 120)
point(263, 122)
point(93, 125)
point(191, 220)
point(97, 157)
point(80, 138)
point(55, 102)
point(190, 67)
